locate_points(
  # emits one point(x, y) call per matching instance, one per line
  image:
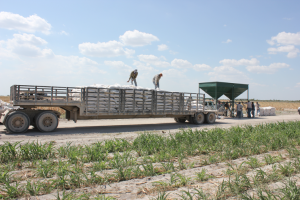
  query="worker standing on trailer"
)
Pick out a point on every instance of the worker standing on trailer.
point(156, 79)
point(133, 76)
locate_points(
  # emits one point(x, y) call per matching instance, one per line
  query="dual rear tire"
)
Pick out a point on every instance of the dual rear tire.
point(199, 118)
point(18, 122)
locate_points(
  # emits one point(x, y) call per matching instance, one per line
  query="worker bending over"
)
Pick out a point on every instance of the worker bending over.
point(156, 79)
point(133, 76)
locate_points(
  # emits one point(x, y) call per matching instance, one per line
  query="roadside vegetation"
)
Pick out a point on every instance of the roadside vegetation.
point(34, 169)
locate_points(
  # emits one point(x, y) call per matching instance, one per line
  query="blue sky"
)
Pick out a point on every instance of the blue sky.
point(80, 43)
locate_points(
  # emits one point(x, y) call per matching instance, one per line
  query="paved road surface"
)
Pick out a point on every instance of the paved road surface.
point(89, 131)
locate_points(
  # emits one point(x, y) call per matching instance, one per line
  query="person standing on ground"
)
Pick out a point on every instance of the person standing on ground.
point(299, 110)
point(133, 76)
point(253, 109)
point(249, 108)
point(156, 79)
point(226, 108)
point(257, 109)
point(239, 110)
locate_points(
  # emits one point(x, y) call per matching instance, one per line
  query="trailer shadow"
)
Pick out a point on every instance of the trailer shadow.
point(165, 127)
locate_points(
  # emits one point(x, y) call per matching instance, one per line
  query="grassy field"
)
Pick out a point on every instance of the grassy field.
point(34, 169)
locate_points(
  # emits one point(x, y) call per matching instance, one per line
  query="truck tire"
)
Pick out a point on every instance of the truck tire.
point(210, 118)
point(180, 120)
point(17, 122)
point(46, 121)
point(199, 118)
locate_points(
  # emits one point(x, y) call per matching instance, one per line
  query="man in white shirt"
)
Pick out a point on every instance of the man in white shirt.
point(239, 110)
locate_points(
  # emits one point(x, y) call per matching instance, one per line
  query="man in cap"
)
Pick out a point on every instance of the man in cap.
point(133, 76)
point(156, 79)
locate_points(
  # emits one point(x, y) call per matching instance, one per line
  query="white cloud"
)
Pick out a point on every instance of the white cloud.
point(297, 85)
point(118, 65)
point(173, 52)
point(228, 73)
point(136, 38)
point(105, 49)
point(153, 60)
point(290, 49)
point(241, 62)
point(143, 66)
point(271, 69)
point(227, 41)
point(173, 73)
point(162, 47)
point(31, 24)
point(180, 63)
point(25, 45)
point(64, 33)
point(284, 38)
point(201, 67)
point(286, 43)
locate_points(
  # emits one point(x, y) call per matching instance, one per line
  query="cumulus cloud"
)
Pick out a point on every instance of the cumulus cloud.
point(173, 73)
point(136, 38)
point(228, 73)
point(286, 43)
point(162, 47)
point(153, 60)
point(30, 24)
point(271, 69)
point(26, 45)
point(227, 41)
point(241, 62)
point(290, 49)
point(105, 49)
point(180, 63)
point(118, 65)
point(284, 38)
point(201, 67)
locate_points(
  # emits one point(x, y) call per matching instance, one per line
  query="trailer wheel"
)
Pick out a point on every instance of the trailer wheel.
point(199, 118)
point(210, 118)
point(46, 121)
point(179, 120)
point(17, 122)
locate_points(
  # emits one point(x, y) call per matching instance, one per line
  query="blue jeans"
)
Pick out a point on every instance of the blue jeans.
point(156, 86)
point(238, 114)
point(134, 82)
point(249, 112)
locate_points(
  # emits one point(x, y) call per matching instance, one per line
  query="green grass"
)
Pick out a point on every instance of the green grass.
point(66, 168)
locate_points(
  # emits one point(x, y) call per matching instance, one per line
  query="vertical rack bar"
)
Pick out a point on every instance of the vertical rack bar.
point(197, 101)
point(98, 91)
point(51, 94)
point(35, 93)
point(18, 92)
point(164, 102)
point(144, 97)
point(172, 96)
point(67, 94)
point(203, 96)
point(133, 100)
point(108, 101)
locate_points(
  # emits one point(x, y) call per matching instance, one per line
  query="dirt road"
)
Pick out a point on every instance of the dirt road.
point(90, 131)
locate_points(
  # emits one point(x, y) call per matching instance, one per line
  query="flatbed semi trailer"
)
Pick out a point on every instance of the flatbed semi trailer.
point(100, 103)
